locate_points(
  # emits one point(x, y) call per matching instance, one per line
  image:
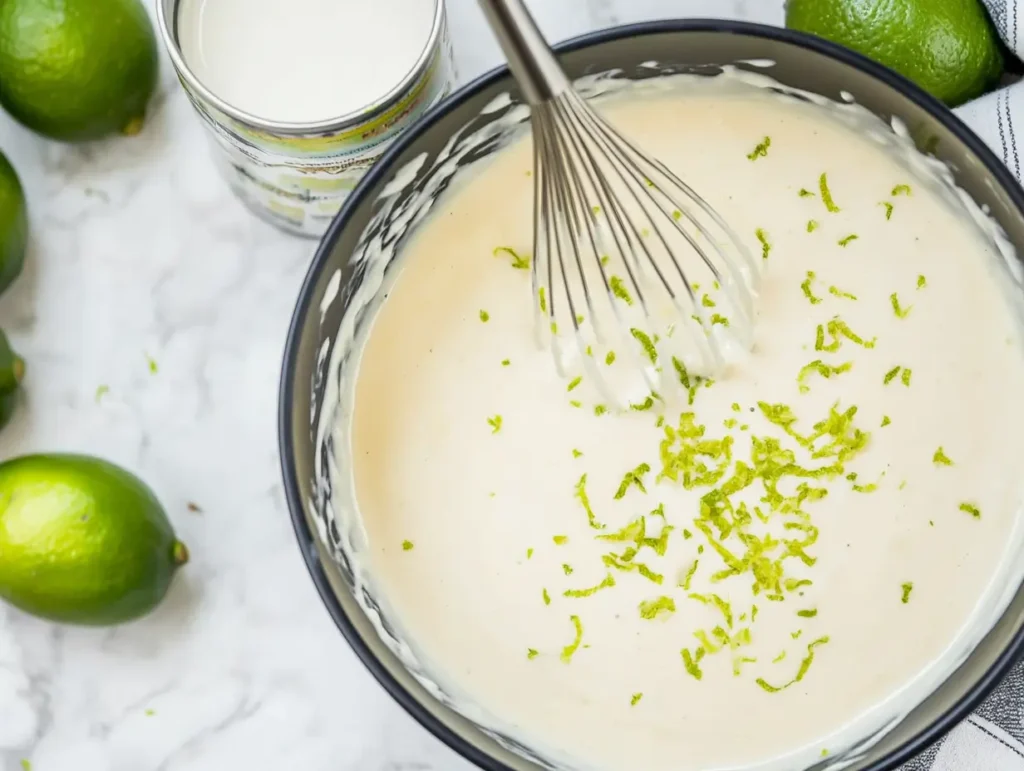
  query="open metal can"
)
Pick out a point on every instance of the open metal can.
point(297, 175)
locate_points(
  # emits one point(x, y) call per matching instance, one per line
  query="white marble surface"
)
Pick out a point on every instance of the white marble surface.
point(140, 251)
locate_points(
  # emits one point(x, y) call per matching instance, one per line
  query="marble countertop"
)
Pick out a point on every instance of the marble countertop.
point(141, 253)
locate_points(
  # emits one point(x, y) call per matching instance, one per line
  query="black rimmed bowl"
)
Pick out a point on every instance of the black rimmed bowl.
point(309, 384)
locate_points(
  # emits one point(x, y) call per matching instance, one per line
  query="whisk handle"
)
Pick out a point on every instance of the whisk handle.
point(529, 56)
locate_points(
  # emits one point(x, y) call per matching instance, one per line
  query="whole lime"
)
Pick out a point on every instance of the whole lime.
point(13, 224)
point(82, 540)
point(948, 47)
point(77, 69)
point(12, 370)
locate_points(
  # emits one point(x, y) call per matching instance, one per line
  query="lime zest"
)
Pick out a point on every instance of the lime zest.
point(806, 287)
point(885, 421)
point(494, 423)
point(407, 545)
point(618, 287)
point(691, 662)
point(807, 613)
point(848, 239)
point(607, 583)
point(900, 190)
point(812, 225)
point(574, 383)
point(888, 209)
point(484, 316)
point(827, 371)
point(635, 699)
point(571, 648)
point(518, 262)
point(971, 509)
point(905, 376)
point(805, 664)
point(545, 596)
point(532, 653)
point(685, 583)
point(838, 329)
point(505, 362)
point(560, 540)
point(901, 313)
point(922, 282)
point(891, 374)
point(766, 247)
point(584, 499)
point(101, 391)
point(643, 406)
point(761, 150)
point(941, 459)
point(567, 569)
point(609, 358)
point(576, 453)
point(906, 588)
point(826, 194)
point(649, 609)
point(805, 193)
point(634, 477)
point(837, 292)
point(645, 342)
point(600, 409)
point(718, 318)
point(529, 553)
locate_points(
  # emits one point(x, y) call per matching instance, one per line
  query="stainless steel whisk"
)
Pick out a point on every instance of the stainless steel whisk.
point(602, 205)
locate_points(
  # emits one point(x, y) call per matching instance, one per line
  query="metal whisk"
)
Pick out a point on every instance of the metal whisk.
point(607, 216)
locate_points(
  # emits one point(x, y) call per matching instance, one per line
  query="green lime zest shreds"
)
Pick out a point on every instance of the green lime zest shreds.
point(941, 459)
point(567, 569)
point(542, 299)
point(609, 358)
point(560, 540)
point(891, 374)
point(646, 343)
point(545, 596)
point(634, 477)
point(505, 362)
point(574, 383)
point(583, 498)
point(571, 648)
point(885, 421)
point(805, 664)
point(607, 583)
point(807, 613)
point(826, 194)
point(922, 282)
point(518, 262)
point(532, 653)
point(691, 662)
point(837, 329)
point(685, 583)
point(620, 562)
point(718, 318)
point(576, 453)
point(575, 403)
point(779, 658)
point(494, 423)
point(635, 699)
point(407, 545)
point(905, 376)
point(812, 225)
point(649, 609)
point(485, 316)
point(901, 313)
point(848, 239)
point(618, 287)
point(600, 409)
point(971, 509)
point(888, 209)
point(643, 406)
point(529, 553)
point(806, 287)
point(707, 302)
point(900, 190)
point(837, 292)
point(805, 193)
point(907, 588)
point(766, 247)
point(819, 367)
point(761, 150)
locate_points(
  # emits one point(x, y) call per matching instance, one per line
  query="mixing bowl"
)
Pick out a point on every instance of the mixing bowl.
point(383, 212)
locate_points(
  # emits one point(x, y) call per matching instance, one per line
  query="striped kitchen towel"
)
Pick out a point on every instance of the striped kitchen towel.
point(992, 739)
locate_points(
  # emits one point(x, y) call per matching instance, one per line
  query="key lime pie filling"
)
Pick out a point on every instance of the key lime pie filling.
point(758, 574)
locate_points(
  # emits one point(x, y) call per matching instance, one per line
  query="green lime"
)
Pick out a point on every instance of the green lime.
point(82, 541)
point(948, 47)
point(77, 69)
point(12, 370)
point(13, 224)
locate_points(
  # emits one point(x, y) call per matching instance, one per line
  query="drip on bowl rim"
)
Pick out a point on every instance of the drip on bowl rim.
point(801, 60)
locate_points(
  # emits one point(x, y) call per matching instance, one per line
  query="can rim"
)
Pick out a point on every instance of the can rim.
point(167, 15)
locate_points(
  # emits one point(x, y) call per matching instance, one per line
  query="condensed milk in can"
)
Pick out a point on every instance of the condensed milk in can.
point(300, 97)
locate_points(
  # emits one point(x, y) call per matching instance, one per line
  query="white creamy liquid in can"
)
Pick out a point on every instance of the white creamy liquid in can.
point(302, 61)
point(502, 512)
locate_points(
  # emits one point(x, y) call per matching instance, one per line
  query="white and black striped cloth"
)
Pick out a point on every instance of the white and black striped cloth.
point(992, 739)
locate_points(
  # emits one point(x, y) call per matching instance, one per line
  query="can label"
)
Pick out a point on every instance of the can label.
point(300, 181)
